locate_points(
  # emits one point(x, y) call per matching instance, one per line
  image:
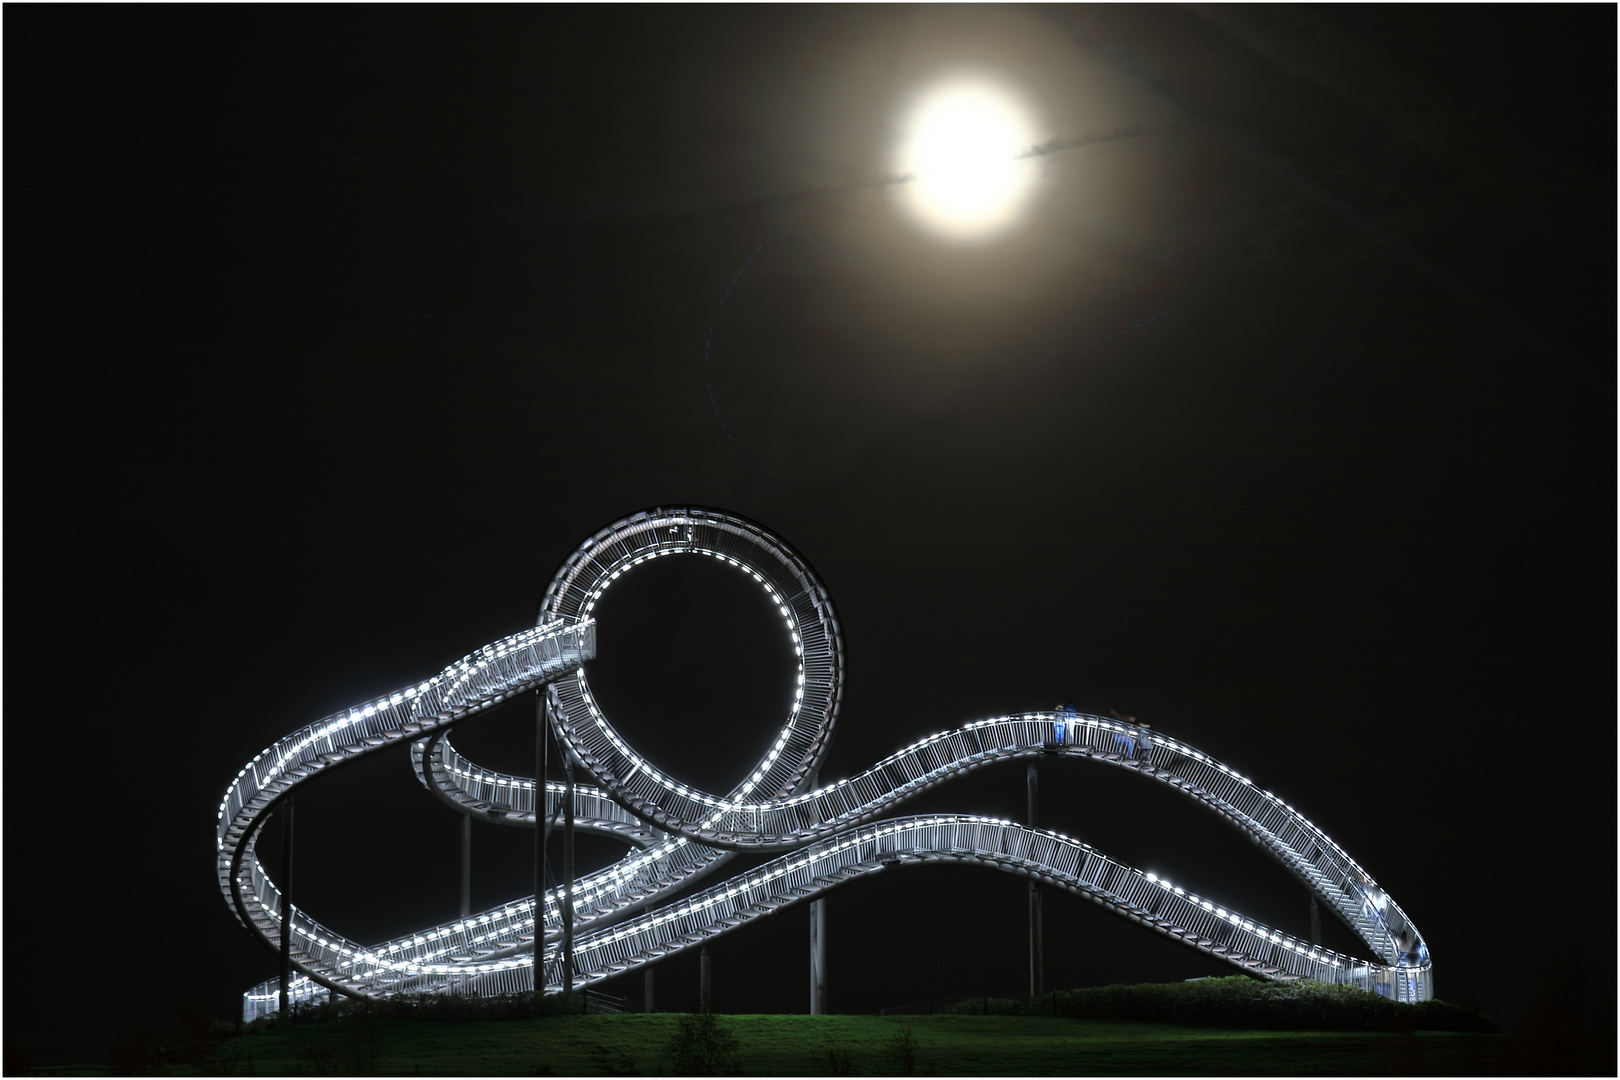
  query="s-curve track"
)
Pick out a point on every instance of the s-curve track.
point(827, 837)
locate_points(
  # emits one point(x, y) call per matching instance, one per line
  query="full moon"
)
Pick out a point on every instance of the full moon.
point(960, 148)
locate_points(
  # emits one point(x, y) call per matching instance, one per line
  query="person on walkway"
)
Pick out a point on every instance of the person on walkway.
point(1144, 743)
point(1066, 729)
point(1125, 741)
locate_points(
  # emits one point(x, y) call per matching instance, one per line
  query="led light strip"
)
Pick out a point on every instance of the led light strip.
point(792, 588)
point(693, 830)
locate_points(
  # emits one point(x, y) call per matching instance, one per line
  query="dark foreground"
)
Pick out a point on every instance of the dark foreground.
point(878, 1046)
point(881, 1046)
point(1227, 1027)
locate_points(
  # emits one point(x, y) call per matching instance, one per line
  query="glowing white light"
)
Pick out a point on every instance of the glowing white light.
point(961, 151)
point(295, 756)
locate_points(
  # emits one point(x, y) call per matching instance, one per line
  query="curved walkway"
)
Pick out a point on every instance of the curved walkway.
point(831, 835)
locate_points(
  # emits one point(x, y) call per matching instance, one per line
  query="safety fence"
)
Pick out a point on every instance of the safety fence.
point(830, 836)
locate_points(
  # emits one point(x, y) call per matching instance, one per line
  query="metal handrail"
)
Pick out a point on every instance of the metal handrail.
point(683, 833)
point(516, 664)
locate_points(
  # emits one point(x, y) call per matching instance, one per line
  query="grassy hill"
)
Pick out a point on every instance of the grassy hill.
point(1214, 1027)
point(851, 1045)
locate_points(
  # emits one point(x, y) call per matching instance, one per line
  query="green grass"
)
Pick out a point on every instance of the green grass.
point(1214, 1027)
point(865, 1045)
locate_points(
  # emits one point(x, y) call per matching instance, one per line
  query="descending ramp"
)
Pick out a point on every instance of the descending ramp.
point(829, 837)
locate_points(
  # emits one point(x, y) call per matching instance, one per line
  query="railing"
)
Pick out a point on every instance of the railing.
point(1052, 858)
point(514, 665)
point(786, 823)
point(831, 835)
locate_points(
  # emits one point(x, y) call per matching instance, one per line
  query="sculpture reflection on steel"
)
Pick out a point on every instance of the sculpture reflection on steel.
point(828, 836)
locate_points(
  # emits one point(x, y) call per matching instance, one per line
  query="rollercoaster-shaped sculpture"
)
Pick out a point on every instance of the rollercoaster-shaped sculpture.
point(828, 836)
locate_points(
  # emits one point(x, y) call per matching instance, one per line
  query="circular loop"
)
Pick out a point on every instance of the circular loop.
point(768, 811)
point(807, 613)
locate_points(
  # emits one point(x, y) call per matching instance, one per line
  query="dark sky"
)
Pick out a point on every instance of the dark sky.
point(332, 332)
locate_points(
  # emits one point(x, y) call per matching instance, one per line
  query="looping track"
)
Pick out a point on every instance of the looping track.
point(828, 837)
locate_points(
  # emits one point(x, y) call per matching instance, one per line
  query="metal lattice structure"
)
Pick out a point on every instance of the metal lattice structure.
point(828, 836)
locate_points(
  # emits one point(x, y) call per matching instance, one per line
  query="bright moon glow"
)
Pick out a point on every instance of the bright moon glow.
point(961, 147)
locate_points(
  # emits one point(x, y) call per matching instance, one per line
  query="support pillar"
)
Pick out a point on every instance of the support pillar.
point(647, 990)
point(466, 865)
point(1037, 975)
point(1316, 922)
point(705, 999)
point(286, 902)
point(818, 938)
point(542, 831)
point(818, 958)
point(568, 875)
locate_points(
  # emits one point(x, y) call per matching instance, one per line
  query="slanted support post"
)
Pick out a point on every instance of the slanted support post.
point(286, 903)
point(1036, 975)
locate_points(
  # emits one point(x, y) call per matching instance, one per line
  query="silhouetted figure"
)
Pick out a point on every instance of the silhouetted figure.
point(1065, 729)
point(1125, 741)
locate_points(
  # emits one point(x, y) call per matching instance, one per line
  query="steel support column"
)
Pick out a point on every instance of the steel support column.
point(647, 990)
point(286, 902)
point(1036, 974)
point(466, 864)
point(568, 875)
point(818, 958)
point(542, 831)
point(1316, 922)
point(818, 937)
point(705, 999)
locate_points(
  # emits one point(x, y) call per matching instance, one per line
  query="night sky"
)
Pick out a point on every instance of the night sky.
point(1283, 420)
